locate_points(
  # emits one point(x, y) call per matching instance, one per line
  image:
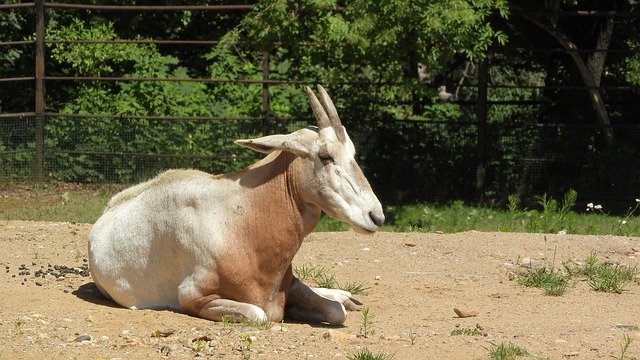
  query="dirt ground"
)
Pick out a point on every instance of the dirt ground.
point(415, 280)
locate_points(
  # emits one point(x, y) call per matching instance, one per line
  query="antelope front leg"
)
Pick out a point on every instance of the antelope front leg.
point(340, 296)
point(220, 309)
point(307, 305)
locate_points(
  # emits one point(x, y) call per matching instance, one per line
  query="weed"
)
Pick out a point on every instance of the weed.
point(366, 354)
point(244, 347)
point(321, 277)
point(356, 288)
point(507, 352)
point(604, 276)
point(198, 346)
point(601, 276)
point(18, 326)
point(413, 336)
point(611, 278)
point(474, 331)
point(366, 325)
point(318, 274)
point(624, 346)
point(162, 333)
point(552, 282)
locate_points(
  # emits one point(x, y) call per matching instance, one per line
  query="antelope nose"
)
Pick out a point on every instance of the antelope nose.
point(377, 219)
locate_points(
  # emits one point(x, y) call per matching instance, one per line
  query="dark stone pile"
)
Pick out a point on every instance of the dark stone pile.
point(54, 270)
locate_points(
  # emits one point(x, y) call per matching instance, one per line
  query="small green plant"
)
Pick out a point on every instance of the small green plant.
point(162, 333)
point(624, 347)
point(366, 354)
point(611, 278)
point(474, 331)
point(244, 347)
point(552, 282)
point(366, 324)
point(18, 326)
point(355, 288)
point(321, 277)
point(606, 277)
point(507, 352)
point(317, 274)
point(198, 346)
point(413, 336)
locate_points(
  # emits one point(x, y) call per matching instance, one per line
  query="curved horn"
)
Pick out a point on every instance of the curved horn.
point(332, 112)
point(318, 111)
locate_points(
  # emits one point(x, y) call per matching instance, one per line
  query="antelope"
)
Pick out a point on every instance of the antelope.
point(221, 246)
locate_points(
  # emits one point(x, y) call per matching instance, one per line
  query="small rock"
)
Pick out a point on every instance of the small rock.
point(378, 277)
point(335, 335)
point(627, 327)
point(165, 350)
point(83, 338)
point(465, 313)
point(409, 244)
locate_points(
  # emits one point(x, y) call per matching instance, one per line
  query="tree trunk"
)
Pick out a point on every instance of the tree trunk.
point(585, 73)
point(595, 63)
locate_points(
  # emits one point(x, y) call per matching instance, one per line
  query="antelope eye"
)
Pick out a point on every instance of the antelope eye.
point(325, 158)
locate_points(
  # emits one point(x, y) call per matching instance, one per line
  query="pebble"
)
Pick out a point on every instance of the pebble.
point(83, 338)
point(465, 313)
point(165, 350)
point(335, 335)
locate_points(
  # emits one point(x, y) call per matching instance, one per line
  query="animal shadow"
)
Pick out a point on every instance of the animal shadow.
point(89, 292)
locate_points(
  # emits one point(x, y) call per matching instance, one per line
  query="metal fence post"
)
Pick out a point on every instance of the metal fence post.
point(39, 91)
point(266, 101)
point(481, 118)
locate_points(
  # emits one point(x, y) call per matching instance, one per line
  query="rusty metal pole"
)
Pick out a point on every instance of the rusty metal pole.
point(266, 100)
point(39, 91)
point(481, 141)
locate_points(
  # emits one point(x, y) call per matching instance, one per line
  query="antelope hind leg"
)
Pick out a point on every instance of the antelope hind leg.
point(219, 309)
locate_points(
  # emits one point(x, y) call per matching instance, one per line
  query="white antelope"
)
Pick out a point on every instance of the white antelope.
point(221, 246)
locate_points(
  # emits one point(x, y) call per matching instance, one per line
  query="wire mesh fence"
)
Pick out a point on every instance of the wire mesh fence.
point(486, 155)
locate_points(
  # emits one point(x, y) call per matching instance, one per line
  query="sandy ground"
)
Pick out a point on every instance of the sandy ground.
point(415, 281)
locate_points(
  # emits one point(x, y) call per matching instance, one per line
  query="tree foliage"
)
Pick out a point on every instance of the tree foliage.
point(413, 146)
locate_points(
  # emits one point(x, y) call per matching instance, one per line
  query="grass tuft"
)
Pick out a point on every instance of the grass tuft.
point(366, 354)
point(507, 352)
point(474, 331)
point(321, 277)
point(552, 282)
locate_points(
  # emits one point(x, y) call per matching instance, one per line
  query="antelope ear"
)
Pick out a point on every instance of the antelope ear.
point(298, 143)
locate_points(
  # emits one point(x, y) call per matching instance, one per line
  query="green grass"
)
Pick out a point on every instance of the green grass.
point(474, 331)
point(549, 216)
point(53, 202)
point(366, 354)
point(606, 277)
point(84, 204)
point(624, 347)
point(507, 352)
point(552, 282)
point(601, 276)
point(321, 277)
